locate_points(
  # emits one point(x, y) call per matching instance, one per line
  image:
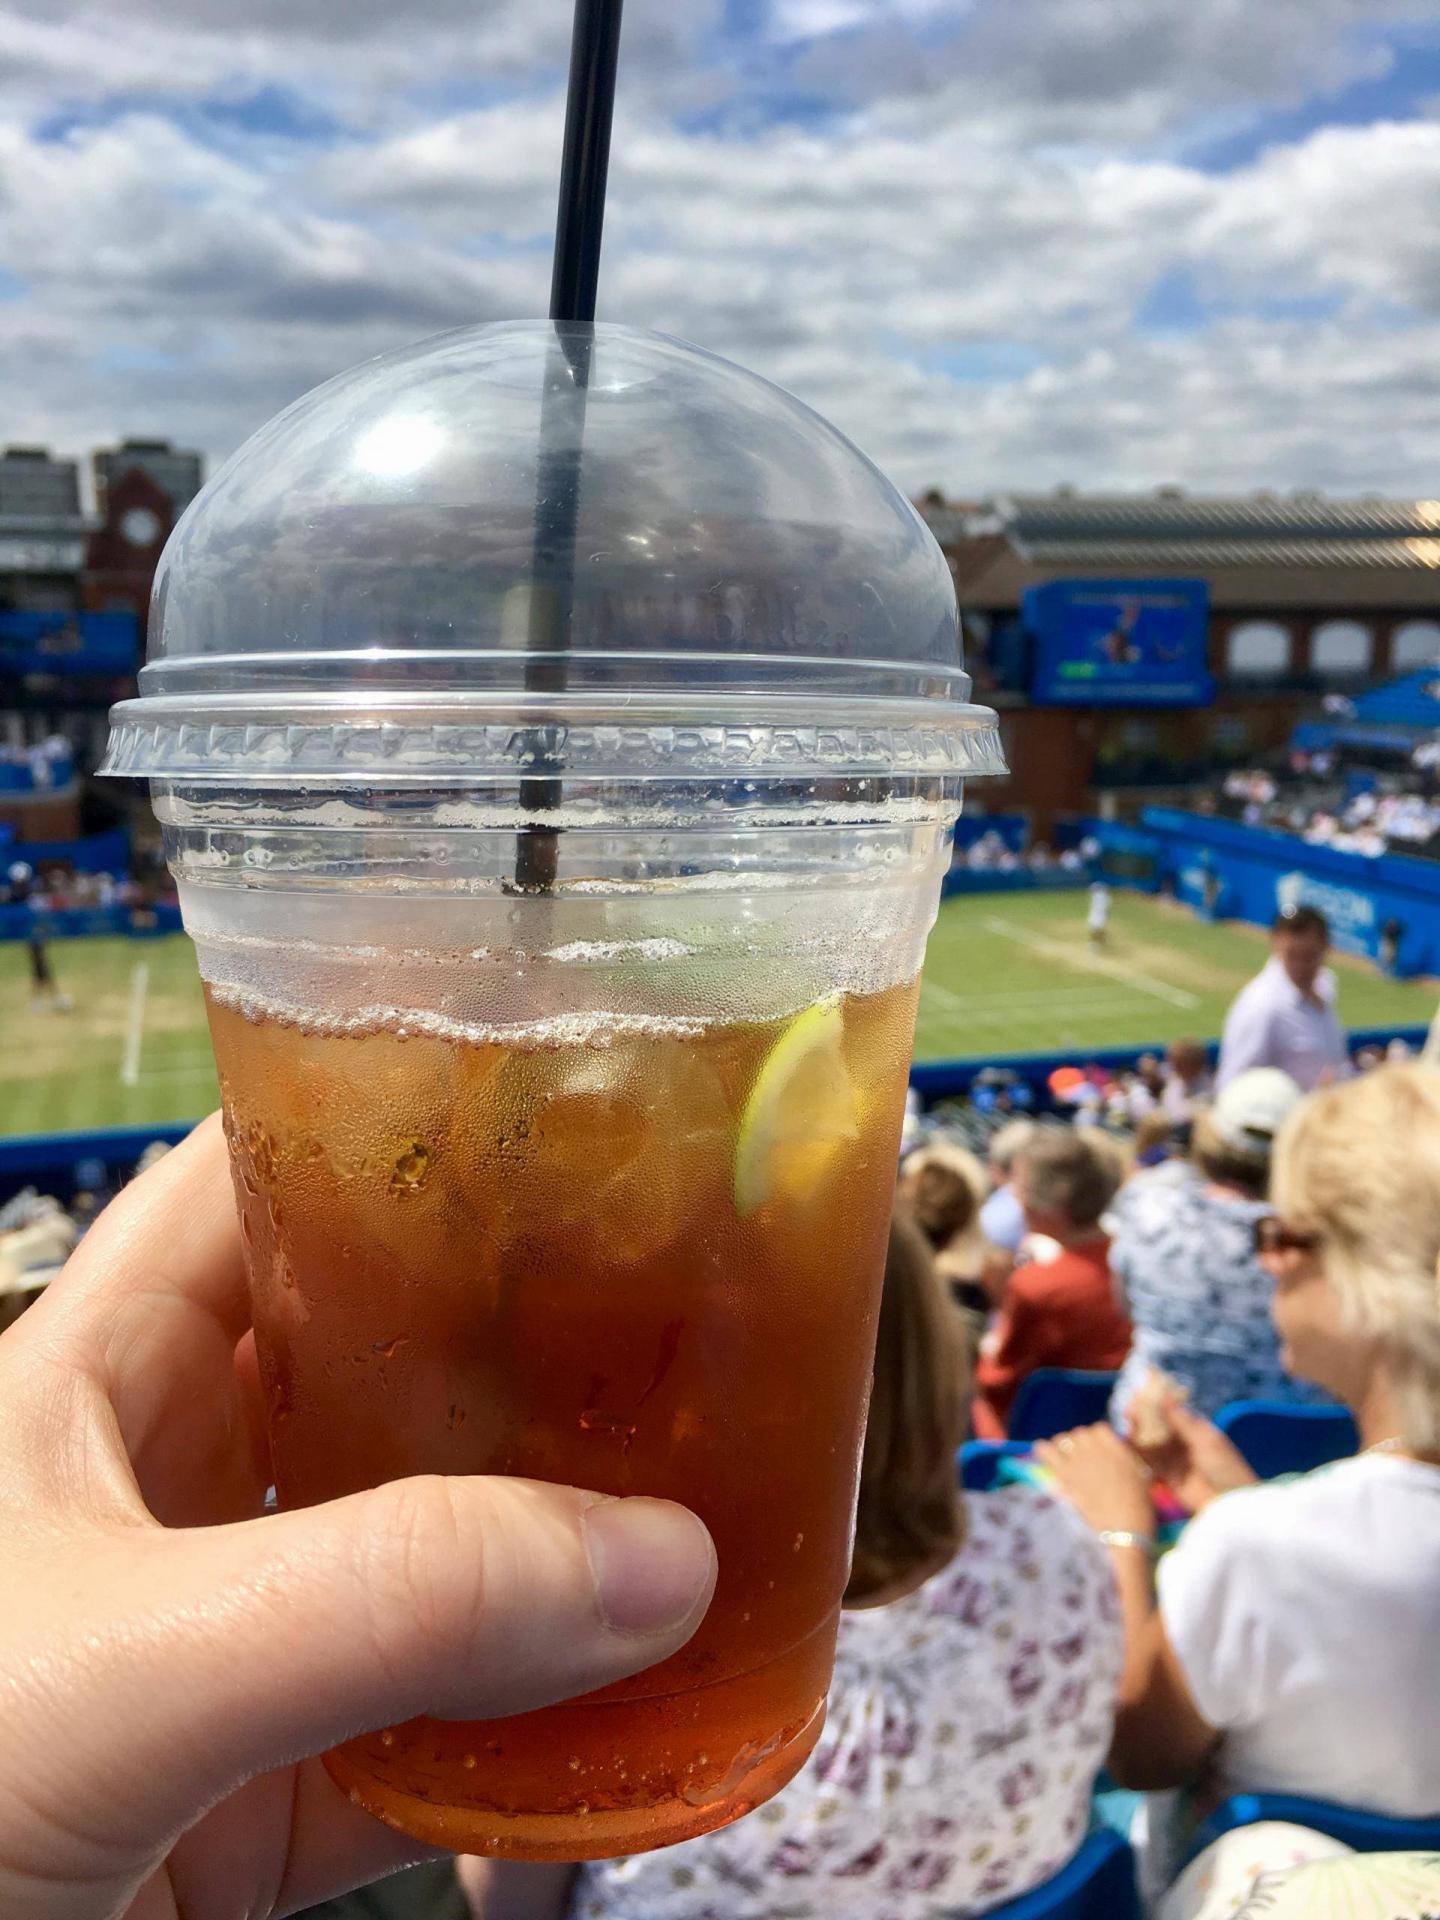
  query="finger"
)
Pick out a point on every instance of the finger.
point(150, 1308)
point(335, 1845)
point(172, 1238)
point(318, 1844)
point(253, 1645)
point(1189, 1426)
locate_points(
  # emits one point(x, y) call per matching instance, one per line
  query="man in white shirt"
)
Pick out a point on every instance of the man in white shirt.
point(1286, 1016)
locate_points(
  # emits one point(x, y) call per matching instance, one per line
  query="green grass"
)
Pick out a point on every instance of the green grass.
point(1014, 973)
point(1006, 973)
point(133, 1050)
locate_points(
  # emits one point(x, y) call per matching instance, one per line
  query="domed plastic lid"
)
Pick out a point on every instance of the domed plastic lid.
point(589, 549)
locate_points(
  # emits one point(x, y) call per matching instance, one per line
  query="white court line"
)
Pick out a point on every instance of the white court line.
point(135, 1025)
point(1087, 962)
point(1019, 1003)
point(1012, 1008)
point(1102, 1011)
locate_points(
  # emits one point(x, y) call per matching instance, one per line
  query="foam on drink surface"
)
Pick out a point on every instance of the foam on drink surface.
point(590, 1029)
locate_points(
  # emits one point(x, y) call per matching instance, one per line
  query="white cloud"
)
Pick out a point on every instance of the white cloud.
point(943, 263)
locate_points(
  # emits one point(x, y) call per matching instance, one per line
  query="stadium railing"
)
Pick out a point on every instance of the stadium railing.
point(75, 923)
point(42, 1158)
point(1021, 880)
point(50, 1161)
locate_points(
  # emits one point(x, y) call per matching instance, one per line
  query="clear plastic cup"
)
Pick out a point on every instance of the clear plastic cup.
point(556, 733)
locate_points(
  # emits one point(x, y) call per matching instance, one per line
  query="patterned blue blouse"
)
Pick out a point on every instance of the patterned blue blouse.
point(1184, 1256)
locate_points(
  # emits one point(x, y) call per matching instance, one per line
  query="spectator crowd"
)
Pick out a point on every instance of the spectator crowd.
point(40, 768)
point(1367, 812)
point(991, 852)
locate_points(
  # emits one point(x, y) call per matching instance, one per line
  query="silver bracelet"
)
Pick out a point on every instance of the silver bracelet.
point(1127, 1537)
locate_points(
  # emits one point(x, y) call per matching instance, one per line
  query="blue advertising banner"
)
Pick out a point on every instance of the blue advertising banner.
point(107, 852)
point(69, 643)
point(1013, 829)
point(86, 923)
point(1120, 643)
point(1018, 880)
point(1232, 872)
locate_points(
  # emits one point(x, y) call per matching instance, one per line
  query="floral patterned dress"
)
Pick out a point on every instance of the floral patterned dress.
point(966, 1724)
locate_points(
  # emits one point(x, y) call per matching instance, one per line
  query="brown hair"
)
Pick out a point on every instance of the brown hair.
point(1301, 920)
point(1187, 1057)
point(1229, 1166)
point(910, 1513)
point(941, 1199)
point(1065, 1172)
point(1152, 1130)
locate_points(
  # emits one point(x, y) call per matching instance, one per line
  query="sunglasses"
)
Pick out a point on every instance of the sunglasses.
point(1273, 1236)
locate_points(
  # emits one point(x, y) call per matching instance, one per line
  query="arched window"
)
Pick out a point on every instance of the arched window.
point(1342, 646)
point(1259, 648)
point(1416, 644)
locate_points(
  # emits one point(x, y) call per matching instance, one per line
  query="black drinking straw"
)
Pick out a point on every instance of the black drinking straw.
point(579, 221)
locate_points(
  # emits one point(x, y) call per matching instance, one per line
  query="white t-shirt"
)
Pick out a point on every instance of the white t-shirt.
point(1099, 913)
point(1306, 1617)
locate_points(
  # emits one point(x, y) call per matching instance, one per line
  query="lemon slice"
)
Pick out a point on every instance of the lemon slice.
point(803, 1111)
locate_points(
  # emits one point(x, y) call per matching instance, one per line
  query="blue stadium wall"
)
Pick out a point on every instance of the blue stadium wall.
point(1255, 871)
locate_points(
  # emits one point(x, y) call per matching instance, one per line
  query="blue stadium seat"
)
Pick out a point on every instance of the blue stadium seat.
point(980, 1461)
point(1053, 1399)
point(1098, 1884)
point(1365, 1832)
point(1279, 1438)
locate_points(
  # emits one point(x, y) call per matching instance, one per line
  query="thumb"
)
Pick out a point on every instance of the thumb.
point(464, 1598)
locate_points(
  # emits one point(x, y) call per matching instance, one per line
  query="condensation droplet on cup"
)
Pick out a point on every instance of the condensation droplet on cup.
point(387, 1738)
point(468, 1762)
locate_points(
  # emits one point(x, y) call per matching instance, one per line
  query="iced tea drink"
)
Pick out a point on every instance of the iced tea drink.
point(635, 1255)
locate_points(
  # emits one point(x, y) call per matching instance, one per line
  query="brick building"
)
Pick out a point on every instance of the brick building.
point(59, 557)
point(1308, 595)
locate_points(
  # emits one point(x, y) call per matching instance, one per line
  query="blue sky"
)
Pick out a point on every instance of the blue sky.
point(1002, 243)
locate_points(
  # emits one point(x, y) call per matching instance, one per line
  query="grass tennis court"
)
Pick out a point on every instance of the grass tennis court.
point(1007, 973)
point(1014, 973)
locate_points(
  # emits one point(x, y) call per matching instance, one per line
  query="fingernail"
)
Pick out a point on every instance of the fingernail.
point(652, 1561)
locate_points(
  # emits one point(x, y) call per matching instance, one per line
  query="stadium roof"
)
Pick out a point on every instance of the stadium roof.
point(1256, 550)
point(1173, 517)
point(1199, 554)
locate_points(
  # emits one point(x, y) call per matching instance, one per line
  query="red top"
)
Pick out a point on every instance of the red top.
point(1061, 1314)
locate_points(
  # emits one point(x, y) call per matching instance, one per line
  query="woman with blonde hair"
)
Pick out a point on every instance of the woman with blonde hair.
point(1291, 1646)
point(972, 1700)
